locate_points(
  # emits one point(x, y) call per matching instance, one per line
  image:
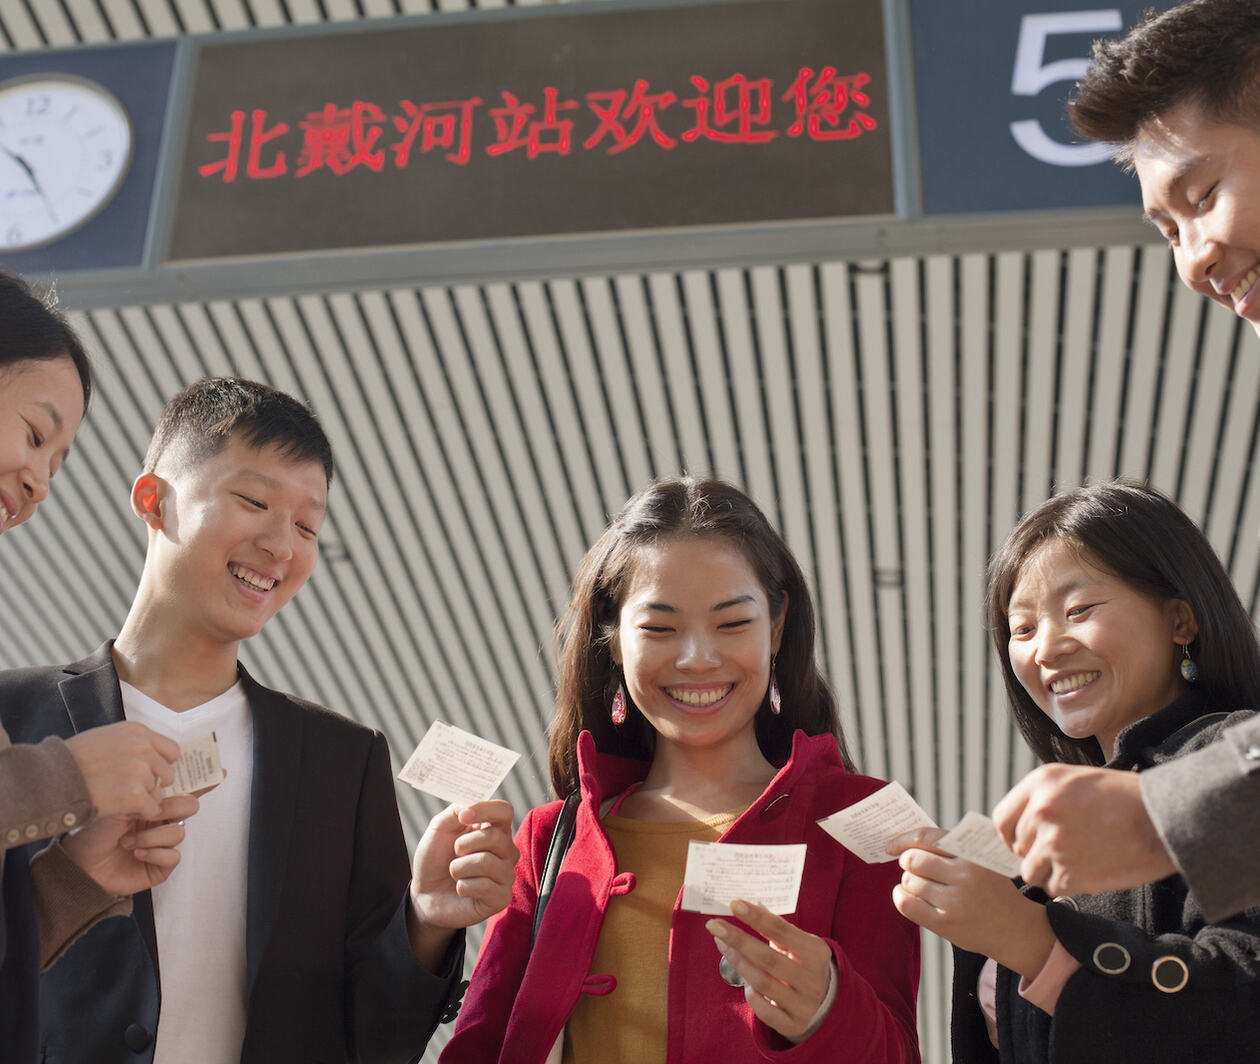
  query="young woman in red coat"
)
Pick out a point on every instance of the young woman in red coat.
point(690, 708)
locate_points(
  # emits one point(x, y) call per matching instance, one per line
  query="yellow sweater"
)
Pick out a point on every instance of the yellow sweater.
point(628, 1025)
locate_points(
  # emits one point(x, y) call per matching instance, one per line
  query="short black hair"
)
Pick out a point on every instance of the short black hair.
point(32, 329)
point(198, 422)
point(1205, 52)
point(1143, 537)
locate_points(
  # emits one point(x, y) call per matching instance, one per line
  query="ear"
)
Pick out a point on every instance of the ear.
point(776, 630)
point(1185, 627)
point(614, 648)
point(147, 496)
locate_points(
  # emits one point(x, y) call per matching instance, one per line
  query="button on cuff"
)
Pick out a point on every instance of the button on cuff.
point(1111, 958)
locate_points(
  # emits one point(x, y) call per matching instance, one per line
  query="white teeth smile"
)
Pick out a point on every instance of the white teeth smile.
point(1073, 683)
point(5, 517)
point(698, 698)
point(1244, 286)
point(262, 583)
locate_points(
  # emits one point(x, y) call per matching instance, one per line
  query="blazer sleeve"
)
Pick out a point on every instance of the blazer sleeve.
point(42, 792)
point(1206, 807)
point(876, 952)
point(481, 1028)
point(393, 1003)
point(1139, 996)
point(68, 902)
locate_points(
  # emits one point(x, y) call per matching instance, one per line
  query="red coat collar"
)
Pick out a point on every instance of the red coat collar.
point(601, 775)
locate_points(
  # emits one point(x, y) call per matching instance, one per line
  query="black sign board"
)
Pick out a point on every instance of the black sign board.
point(536, 123)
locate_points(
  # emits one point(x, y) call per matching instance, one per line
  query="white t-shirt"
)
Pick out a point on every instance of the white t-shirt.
point(199, 912)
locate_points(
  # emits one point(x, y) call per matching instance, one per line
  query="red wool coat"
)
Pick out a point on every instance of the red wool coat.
point(520, 999)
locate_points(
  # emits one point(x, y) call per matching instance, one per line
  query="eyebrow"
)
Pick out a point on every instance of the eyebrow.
point(58, 422)
point(1060, 590)
point(665, 607)
point(271, 482)
point(1178, 179)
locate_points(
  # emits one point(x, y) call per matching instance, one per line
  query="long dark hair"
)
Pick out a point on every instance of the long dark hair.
point(1145, 539)
point(667, 508)
point(32, 329)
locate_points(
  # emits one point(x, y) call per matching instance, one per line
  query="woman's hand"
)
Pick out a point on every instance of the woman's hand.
point(785, 977)
point(974, 908)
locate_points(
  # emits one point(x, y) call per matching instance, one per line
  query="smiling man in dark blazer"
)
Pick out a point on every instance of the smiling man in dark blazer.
point(293, 929)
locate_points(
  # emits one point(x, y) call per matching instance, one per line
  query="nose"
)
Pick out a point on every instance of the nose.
point(1053, 641)
point(277, 538)
point(1198, 256)
point(697, 653)
point(35, 480)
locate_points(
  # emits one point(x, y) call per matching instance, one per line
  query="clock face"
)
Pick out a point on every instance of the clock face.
point(65, 146)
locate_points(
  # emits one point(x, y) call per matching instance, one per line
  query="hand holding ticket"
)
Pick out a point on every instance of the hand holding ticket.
point(457, 766)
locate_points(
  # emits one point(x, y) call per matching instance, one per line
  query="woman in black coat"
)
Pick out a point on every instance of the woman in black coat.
point(1122, 642)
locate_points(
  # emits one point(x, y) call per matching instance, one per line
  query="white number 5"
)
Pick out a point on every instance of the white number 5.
point(1032, 74)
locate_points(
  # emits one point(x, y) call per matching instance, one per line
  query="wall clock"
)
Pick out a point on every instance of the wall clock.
point(65, 148)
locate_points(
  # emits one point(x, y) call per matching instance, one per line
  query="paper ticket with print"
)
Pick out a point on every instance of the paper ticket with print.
point(718, 873)
point(457, 766)
point(868, 826)
point(198, 766)
point(977, 839)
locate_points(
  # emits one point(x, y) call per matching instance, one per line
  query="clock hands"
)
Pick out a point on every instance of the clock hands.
point(30, 173)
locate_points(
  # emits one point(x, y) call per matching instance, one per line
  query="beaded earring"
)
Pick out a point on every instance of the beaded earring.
point(776, 701)
point(1189, 670)
point(619, 706)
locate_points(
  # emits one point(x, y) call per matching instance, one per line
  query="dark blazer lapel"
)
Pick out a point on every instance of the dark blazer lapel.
point(278, 738)
point(93, 698)
point(91, 692)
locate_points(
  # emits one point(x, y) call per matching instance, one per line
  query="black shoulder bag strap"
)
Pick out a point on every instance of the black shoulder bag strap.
point(560, 839)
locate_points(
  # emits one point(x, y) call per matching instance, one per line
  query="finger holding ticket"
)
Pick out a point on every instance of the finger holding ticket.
point(457, 766)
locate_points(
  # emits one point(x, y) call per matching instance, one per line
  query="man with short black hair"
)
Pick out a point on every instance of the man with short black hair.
point(292, 929)
point(1180, 97)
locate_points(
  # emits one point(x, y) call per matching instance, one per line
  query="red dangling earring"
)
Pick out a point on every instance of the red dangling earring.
point(776, 702)
point(619, 706)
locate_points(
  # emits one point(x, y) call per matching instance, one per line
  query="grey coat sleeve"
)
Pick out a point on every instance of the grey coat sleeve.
point(1206, 808)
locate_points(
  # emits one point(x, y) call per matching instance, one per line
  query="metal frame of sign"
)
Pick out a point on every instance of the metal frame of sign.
point(907, 233)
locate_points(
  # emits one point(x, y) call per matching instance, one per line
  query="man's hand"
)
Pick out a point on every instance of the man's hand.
point(1082, 830)
point(125, 854)
point(462, 874)
point(126, 766)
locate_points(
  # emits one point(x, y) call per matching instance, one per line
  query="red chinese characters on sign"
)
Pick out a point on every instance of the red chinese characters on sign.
point(259, 136)
point(515, 128)
point(438, 125)
point(616, 108)
point(823, 106)
point(341, 139)
point(734, 111)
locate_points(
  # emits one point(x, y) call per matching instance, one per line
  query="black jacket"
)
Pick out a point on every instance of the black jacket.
point(330, 972)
